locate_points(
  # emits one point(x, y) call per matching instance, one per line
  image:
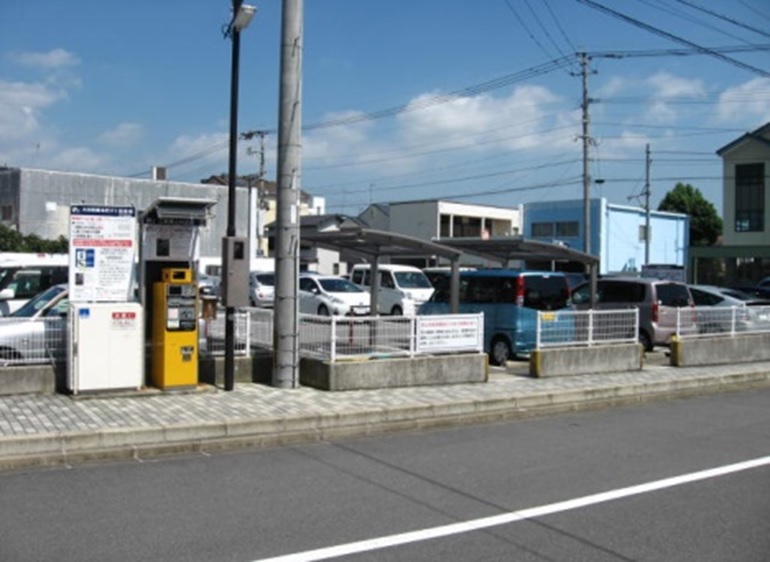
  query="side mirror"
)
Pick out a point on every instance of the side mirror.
point(7, 294)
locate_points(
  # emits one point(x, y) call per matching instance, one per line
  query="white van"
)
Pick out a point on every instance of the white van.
point(22, 276)
point(403, 288)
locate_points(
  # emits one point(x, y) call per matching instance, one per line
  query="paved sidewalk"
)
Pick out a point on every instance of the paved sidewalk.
point(44, 430)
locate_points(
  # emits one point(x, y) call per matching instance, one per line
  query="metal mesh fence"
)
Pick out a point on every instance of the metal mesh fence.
point(340, 337)
point(586, 327)
point(33, 340)
point(212, 334)
point(722, 320)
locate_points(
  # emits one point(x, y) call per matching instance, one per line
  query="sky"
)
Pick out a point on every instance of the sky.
point(477, 102)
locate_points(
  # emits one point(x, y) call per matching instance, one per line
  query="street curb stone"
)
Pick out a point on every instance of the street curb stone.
point(47, 431)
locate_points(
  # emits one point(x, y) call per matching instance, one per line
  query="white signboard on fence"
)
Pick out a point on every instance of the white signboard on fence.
point(451, 332)
point(102, 253)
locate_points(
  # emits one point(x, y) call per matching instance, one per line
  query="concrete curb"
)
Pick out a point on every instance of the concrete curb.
point(65, 449)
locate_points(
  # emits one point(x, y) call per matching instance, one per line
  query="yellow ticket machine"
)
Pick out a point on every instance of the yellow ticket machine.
point(175, 330)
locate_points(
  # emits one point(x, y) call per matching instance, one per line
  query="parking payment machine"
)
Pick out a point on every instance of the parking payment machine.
point(175, 330)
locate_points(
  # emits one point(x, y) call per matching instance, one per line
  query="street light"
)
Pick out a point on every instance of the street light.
point(242, 15)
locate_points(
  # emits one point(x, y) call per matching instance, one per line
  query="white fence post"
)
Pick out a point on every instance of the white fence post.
point(590, 338)
point(333, 340)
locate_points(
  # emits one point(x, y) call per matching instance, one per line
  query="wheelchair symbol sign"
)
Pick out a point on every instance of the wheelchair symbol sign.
point(84, 257)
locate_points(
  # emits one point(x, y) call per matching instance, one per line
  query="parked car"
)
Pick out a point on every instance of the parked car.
point(208, 285)
point(403, 288)
point(36, 332)
point(752, 314)
point(510, 301)
point(261, 288)
point(656, 299)
point(327, 295)
point(21, 278)
point(753, 290)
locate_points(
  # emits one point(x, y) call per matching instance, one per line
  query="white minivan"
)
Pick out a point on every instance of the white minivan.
point(22, 276)
point(403, 288)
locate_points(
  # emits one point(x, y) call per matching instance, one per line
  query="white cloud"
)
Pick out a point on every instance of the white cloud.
point(666, 86)
point(124, 135)
point(746, 105)
point(52, 60)
point(476, 121)
point(21, 128)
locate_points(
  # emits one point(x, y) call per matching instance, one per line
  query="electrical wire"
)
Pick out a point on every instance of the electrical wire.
point(657, 31)
point(723, 17)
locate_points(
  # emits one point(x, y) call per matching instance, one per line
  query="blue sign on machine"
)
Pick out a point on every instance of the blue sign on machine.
point(85, 257)
point(84, 312)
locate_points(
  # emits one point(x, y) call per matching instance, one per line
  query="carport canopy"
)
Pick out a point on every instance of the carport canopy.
point(372, 244)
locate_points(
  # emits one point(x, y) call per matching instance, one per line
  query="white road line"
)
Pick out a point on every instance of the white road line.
point(505, 518)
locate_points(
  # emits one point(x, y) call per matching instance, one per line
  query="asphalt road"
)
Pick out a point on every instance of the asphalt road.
point(525, 490)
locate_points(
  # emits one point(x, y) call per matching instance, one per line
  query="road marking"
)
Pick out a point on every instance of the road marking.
point(506, 518)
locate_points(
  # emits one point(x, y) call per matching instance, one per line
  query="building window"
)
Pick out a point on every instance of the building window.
point(445, 228)
point(542, 230)
point(749, 198)
point(567, 229)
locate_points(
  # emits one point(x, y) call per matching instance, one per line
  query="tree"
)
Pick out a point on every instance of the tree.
point(705, 223)
point(13, 241)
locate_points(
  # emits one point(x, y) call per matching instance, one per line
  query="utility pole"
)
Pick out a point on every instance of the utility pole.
point(256, 200)
point(647, 193)
point(584, 61)
point(286, 317)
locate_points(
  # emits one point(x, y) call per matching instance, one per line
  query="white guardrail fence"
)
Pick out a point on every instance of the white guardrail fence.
point(565, 328)
point(703, 321)
point(336, 338)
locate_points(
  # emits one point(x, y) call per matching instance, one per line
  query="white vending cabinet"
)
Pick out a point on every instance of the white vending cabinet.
point(106, 348)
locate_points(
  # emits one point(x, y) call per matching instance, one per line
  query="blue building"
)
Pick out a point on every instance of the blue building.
point(618, 232)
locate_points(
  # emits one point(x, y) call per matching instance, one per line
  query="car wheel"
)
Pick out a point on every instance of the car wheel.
point(396, 311)
point(323, 311)
point(501, 351)
point(645, 340)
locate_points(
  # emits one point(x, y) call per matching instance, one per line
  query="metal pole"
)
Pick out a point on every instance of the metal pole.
point(586, 170)
point(235, 36)
point(285, 330)
point(647, 233)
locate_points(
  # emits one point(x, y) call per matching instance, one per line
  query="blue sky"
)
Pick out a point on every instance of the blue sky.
point(117, 87)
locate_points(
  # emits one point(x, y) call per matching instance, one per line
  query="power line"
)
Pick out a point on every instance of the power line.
point(657, 31)
point(722, 17)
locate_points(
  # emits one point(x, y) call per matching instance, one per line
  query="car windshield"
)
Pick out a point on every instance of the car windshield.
point(412, 280)
point(267, 279)
point(740, 295)
point(38, 302)
point(331, 285)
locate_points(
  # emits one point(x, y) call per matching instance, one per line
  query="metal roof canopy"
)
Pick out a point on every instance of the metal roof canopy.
point(375, 243)
point(506, 248)
point(368, 242)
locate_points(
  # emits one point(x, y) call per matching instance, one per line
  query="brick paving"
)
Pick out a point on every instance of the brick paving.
point(57, 416)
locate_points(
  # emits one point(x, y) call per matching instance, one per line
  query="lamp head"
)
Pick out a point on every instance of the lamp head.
point(242, 19)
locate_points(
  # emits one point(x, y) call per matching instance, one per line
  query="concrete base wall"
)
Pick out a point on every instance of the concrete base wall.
point(393, 373)
point(586, 360)
point(720, 350)
point(28, 379)
point(379, 373)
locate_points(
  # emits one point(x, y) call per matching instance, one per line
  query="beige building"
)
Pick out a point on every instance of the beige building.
point(744, 256)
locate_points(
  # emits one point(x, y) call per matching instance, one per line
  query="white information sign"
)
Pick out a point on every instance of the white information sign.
point(102, 253)
point(450, 332)
point(170, 242)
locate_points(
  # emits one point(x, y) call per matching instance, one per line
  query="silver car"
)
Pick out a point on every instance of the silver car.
point(745, 313)
point(36, 332)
